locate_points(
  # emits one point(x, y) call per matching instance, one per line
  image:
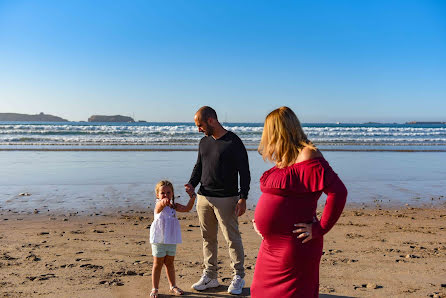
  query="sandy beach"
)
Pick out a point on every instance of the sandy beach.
point(370, 252)
point(102, 100)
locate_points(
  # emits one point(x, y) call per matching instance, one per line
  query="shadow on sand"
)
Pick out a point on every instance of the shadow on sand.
point(333, 296)
point(221, 292)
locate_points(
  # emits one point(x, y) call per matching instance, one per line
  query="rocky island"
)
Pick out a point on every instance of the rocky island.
point(425, 122)
point(42, 117)
point(115, 118)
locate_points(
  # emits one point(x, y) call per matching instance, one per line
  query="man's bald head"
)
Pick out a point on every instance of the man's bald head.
point(204, 113)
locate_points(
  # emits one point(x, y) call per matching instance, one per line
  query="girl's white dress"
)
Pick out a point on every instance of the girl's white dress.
point(165, 227)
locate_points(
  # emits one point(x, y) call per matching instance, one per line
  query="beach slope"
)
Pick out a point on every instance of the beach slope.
point(394, 253)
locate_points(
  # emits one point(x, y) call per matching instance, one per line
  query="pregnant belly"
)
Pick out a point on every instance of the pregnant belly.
point(276, 215)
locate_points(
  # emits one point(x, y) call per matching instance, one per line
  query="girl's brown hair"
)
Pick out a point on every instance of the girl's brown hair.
point(168, 184)
point(283, 138)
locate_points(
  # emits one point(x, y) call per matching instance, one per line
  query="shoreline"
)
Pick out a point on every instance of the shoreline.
point(369, 252)
point(438, 203)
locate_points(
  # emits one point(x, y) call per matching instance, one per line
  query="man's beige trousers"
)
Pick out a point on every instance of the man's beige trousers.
point(212, 212)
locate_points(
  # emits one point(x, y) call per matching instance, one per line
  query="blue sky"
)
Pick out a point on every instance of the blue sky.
point(348, 61)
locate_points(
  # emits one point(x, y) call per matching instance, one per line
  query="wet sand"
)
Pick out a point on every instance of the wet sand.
point(370, 252)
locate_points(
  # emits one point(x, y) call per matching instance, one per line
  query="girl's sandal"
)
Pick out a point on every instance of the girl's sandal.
point(176, 291)
point(154, 293)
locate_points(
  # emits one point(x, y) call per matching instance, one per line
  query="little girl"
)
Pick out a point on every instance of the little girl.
point(165, 234)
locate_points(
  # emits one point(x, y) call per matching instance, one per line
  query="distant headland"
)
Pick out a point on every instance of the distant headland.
point(25, 117)
point(42, 117)
point(115, 118)
point(425, 122)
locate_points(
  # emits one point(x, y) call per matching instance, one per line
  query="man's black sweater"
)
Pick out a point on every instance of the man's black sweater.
point(218, 165)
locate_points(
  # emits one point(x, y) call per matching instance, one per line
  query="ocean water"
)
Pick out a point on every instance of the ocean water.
point(393, 164)
point(93, 181)
point(185, 135)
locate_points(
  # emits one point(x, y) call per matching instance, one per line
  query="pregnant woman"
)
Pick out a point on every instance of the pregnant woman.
point(289, 256)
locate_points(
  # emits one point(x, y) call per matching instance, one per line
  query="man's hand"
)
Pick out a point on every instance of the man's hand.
point(240, 208)
point(189, 189)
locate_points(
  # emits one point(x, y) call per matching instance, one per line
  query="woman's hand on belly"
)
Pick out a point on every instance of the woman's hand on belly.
point(255, 228)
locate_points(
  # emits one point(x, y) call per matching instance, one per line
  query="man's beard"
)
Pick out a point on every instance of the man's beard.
point(209, 131)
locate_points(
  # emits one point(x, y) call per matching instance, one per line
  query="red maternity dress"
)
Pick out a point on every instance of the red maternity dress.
point(285, 266)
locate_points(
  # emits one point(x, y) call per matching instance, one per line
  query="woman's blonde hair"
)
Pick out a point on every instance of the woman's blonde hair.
point(165, 183)
point(283, 138)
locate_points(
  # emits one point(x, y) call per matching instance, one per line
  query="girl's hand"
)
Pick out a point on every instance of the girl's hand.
point(164, 202)
point(304, 231)
point(255, 228)
point(161, 204)
point(189, 189)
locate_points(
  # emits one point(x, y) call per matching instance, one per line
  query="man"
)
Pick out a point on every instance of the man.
point(222, 157)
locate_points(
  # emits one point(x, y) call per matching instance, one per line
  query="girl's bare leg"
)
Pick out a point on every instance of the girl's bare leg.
point(156, 271)
point(170, 269)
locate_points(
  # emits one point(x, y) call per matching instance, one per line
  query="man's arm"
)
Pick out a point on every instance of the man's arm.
point(196, 172)
point(245, 176)
point(243, 169)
